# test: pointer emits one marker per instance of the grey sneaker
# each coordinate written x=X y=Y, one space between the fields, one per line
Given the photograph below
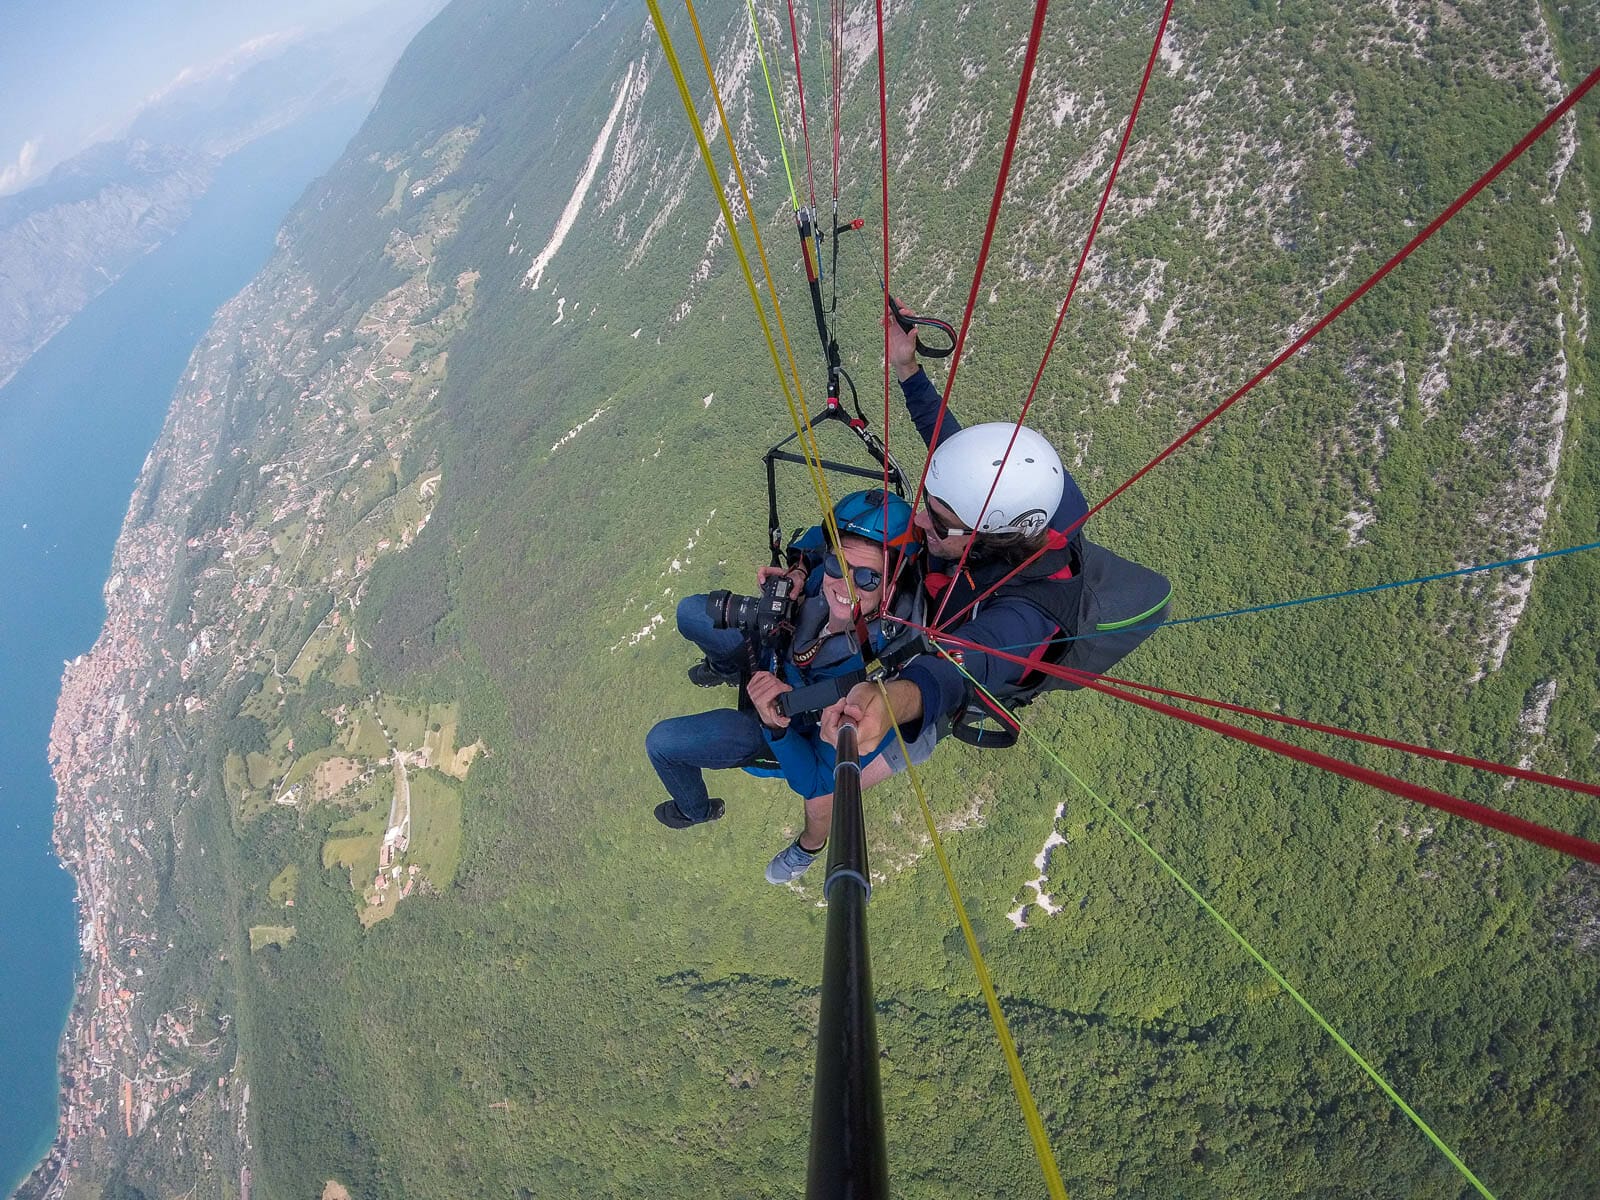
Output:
x=791 y=862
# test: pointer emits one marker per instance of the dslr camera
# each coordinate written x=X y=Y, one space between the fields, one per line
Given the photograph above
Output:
x=767 y=620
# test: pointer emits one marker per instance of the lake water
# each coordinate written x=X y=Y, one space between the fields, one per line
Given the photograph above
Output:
x=75 y=425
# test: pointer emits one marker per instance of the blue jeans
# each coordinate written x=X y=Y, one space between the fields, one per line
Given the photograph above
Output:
x=680 y=747
x=724 y=648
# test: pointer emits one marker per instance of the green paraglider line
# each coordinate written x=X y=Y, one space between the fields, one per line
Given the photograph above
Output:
x=1277 y=604
x=783 y=145
x=1589 y=82
x=1244 y=942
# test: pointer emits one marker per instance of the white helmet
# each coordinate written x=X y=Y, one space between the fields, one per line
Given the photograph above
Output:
x=964 y=466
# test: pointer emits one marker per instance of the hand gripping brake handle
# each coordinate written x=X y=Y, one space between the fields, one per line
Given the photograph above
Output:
x=910 y=323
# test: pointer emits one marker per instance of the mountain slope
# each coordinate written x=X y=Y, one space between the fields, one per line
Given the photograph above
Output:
x=454 y=459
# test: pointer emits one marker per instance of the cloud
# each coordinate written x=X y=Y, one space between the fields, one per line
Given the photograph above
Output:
x=231 y=63
x=15 y=175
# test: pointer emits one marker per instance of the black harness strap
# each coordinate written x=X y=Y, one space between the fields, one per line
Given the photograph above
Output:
x=810 y=248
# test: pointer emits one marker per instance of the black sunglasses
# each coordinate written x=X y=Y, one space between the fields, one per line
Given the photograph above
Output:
x=864 y=578
x=939 y=527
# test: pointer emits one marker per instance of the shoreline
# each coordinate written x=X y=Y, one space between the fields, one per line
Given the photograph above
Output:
x=108 y=1084
x=117 y=1062
x=43 y=1151
x=138 y=1044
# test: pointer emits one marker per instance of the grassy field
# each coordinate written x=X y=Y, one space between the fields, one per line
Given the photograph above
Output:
x=234 y=778
x=407 y=721
x=319 y=648
x=355 y=844
x=461 y=762
x=262 y=770
x=366 y=739
x=308 y=764
x=440 y=739
x=435 y=827
x=262 y=936
x=262 y=703
x=347 y=673
x=248 y=801
x=370 y=912
x=254 y=804
x=284 y=885
x=333 y=778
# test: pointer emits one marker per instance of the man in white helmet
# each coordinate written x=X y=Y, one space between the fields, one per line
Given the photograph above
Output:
x=1054 y=586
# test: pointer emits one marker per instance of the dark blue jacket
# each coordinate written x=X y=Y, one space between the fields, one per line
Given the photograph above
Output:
x=1003 y=622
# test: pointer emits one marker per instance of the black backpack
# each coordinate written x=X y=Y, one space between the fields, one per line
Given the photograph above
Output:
x=1119 y=605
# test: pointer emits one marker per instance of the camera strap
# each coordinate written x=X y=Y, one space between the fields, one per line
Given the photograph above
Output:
x=817 y=696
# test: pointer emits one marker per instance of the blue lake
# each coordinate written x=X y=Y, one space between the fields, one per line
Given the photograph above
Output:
x=75 y=425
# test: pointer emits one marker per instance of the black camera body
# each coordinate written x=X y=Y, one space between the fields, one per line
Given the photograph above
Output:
x=767 y=620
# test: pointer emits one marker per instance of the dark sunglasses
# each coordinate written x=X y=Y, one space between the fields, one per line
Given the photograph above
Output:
x=940 y=529
x=864 y=578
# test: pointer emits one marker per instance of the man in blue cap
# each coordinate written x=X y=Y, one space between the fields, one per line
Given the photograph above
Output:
x=874 y=528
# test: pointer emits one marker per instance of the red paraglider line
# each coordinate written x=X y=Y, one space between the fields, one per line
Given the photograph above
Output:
x=883 y=192
x=1088 y=244
x=805 y=127
x=1542 y=835
x=1433 y=226
x=1030 y=56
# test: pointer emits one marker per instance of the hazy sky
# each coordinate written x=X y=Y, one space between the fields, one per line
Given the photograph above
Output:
x=73 y=72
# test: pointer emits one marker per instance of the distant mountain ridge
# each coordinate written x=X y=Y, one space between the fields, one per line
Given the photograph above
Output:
x=66 y=241
x=68 y=238
x=126 y=162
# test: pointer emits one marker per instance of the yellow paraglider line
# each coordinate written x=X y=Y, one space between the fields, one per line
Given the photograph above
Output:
x=1008 y=1045
x=793 y=395
x=1244 y=943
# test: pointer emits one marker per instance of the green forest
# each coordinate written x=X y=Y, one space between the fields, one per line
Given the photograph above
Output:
x=578 y=1002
